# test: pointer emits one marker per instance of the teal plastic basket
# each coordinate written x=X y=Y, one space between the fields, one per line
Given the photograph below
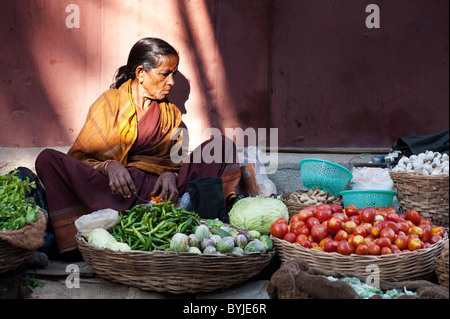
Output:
x=327 y=175
x=368 y=198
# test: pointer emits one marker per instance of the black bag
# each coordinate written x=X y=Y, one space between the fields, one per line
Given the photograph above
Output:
x=207 y=197
x=413 y=145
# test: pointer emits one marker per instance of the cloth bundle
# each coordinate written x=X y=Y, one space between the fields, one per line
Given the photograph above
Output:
x=296 y=280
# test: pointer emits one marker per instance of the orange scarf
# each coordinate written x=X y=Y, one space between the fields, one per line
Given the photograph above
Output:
x=111 y=129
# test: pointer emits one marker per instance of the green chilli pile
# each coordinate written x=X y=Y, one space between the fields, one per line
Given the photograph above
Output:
x=151 y=227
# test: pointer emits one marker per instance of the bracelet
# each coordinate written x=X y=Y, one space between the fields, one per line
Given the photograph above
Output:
x=104 y=166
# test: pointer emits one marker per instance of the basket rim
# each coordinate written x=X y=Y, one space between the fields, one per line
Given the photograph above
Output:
x=131 y=253
x=367 y=191
x=416 y=175
x=355 y=256
x=346 y=170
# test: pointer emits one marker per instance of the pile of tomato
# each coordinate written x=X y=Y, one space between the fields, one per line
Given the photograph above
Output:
x=365 y=231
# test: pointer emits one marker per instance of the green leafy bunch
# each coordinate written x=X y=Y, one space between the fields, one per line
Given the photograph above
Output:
x=15 y=207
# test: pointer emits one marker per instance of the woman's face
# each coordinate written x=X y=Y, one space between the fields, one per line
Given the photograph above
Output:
x=158 y=82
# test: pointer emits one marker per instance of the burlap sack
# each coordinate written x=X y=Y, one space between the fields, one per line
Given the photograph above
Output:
x=31 y=236
x=296 y=280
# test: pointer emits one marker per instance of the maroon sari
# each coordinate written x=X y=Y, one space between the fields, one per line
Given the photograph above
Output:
x=74 y=188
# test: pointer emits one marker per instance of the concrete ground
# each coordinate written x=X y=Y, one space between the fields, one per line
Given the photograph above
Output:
x=51 y=282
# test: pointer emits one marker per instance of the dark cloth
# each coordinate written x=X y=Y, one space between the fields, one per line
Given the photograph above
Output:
x=74 y=188
x=413 y=145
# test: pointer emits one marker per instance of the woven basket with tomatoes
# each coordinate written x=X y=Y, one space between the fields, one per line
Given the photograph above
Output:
x=402 y=246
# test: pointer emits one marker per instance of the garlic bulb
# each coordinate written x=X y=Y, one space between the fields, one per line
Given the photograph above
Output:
x=426 y=163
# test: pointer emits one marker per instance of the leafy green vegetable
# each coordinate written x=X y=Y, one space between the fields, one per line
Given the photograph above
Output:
x=257 y=213
x=366 y=291
x=15 y=207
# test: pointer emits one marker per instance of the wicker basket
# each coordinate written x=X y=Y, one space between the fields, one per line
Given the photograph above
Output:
x=412 y=265
x=427 y=194
x=442 y=266
x=12 y=257
x=177 y=273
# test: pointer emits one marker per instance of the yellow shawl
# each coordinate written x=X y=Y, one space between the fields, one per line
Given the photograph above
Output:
x=111 y=129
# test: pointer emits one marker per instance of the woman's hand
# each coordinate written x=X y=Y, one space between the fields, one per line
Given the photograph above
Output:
x=167 y=183
x=120 y=180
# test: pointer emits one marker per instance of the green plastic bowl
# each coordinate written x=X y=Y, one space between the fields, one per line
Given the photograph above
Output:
x=368 y=198
x=327 y=175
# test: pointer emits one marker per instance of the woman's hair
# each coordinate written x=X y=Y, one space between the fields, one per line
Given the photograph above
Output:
x=148 y=53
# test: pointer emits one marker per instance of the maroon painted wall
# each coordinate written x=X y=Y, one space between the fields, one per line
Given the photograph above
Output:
x=310 y=68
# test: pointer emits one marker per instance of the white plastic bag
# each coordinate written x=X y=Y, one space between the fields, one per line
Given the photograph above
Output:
x=371 y=178
x=104 y=218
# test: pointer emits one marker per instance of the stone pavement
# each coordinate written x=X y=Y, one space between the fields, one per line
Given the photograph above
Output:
x=57 y=283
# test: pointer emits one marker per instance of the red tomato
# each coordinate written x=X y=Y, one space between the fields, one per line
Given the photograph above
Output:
x=296 y=226
x=360 y=230
x=305 y=243
x=395 y=249
x=393 y=217
x=374 y=249
x=367 y=215
x=304 y=230
x=415 y=230
x=386 y=250
x=349 y=226
x=324 y=206
x=278 y=230
x=344 y=248
x=426 y=245
x=334 y=225
x=355 y=219
x=357 y=240
x=367 y=226
x=295 y=218
x=312 y=221
x=351 y=210
x=304 y=214
x=403 y=226
x=281 y=220
x=434 y=239
x=323 y=214
x=301 y=237
x=375 y=231
x=426 y=233
x=330 y=246
x=389 y=233
x=438 y=230
x=391 y=225
x=401 y=241
x=341 y=235
x=319 y=232
x=336 y=208
x=323 y=241
x=290 y=237
x=340 y=216
x=414 y=244
x=390 y=209
x=414 y=216
x=383 y=242
x=362 y=250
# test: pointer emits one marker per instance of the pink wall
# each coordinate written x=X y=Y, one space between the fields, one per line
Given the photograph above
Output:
x=310 y=68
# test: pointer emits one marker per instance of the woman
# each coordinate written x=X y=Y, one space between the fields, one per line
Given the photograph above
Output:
x=121 y=156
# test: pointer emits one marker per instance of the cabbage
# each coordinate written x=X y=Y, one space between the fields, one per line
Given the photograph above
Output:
x=100 y=237
x=257 y=213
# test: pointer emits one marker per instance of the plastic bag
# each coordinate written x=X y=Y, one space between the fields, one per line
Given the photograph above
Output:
x=104 y=218
x=371 y=178
x=252 y=155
